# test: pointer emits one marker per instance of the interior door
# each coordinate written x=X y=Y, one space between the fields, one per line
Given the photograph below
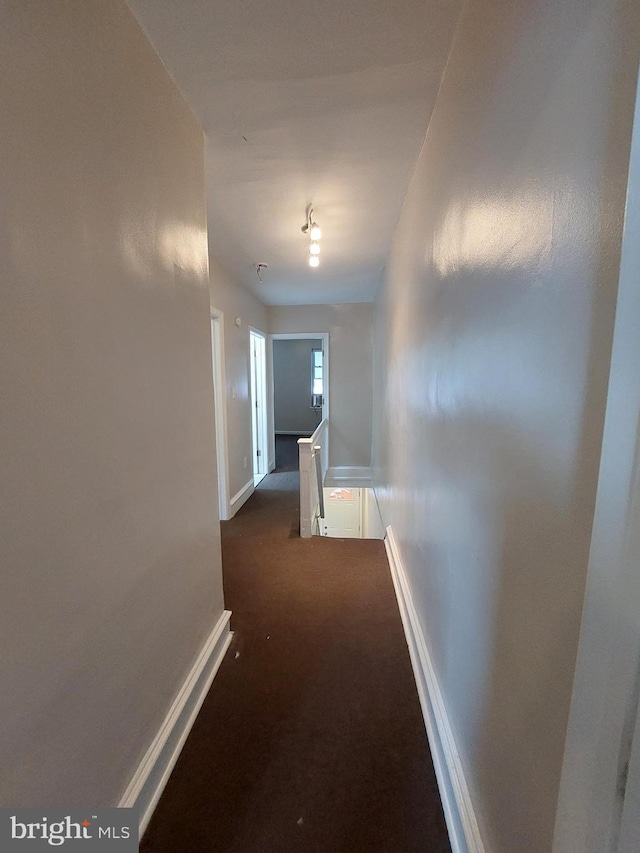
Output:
x=258 y=403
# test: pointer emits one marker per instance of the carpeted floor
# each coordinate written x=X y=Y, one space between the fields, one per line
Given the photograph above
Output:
x=287 y=454
x=311 y=739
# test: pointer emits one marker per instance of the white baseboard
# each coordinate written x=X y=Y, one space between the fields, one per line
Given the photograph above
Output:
x=154 y=770
x=301 y=432
x=464 y=832
x=241 y=497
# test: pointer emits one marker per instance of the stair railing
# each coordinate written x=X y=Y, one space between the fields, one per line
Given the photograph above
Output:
x=314 y=460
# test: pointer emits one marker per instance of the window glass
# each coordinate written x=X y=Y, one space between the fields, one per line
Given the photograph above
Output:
x=316 y=371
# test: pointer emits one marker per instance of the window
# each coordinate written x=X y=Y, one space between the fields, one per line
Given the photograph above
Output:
x=317 y=378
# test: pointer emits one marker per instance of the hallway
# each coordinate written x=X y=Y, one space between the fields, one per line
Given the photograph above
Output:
x=311 y=738
x=470 y=175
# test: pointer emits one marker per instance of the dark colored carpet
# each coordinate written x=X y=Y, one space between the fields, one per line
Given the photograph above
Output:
x=287 y=455
x=311 y=739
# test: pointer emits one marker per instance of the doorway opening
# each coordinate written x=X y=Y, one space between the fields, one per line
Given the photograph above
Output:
x=299 y=392
x=259 y=432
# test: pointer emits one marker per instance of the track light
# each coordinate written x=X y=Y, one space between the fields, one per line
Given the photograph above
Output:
x=312 y=230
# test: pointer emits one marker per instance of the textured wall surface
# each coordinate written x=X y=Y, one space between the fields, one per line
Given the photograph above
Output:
x=109 y=541
x=493 y=338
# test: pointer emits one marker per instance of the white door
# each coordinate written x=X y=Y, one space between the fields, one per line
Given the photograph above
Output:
x=342 y=513
x=258 y=403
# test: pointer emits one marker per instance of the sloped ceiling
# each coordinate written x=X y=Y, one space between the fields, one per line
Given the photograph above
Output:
x=324 y=103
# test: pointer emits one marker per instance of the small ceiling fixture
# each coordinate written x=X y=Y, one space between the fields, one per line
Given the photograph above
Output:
x=312 y=230
x=260 y=268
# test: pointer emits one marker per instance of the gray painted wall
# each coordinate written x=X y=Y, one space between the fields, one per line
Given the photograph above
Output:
x=493 y=339
x=350 y=371
x=109 y=547
x=292 y=386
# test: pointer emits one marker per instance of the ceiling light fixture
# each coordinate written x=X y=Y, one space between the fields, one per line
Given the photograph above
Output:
x=312 y=230
x=260 y=268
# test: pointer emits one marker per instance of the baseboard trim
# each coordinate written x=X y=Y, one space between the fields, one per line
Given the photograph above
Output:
x=464 y=832
x=303 y=433
x=241 y=497
x=154 y=770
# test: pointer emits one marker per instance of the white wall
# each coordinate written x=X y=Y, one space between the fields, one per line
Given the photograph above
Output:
x=236 y=301
x=350 y=371
x=292 y=410
x=493 y=338
x=109 y=540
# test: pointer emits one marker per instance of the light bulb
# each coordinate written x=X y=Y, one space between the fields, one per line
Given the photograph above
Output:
x=314 y=261
x=314 y=232
x=314 y=249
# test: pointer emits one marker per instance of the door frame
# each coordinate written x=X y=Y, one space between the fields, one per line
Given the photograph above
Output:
x=294 y=336
x=261 y=413
x=220 y=405
x=599 y=801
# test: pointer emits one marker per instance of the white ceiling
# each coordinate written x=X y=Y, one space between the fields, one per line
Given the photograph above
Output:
x=324 y=103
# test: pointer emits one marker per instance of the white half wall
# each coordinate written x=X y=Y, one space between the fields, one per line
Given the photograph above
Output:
x=109 y=539
x=493 y=342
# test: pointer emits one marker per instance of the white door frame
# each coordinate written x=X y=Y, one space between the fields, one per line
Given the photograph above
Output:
x=260 y=414
x=294 y=336
x=602 y=755
x=220 y=404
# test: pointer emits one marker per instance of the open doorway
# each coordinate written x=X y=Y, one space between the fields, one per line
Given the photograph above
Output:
x=299 y=392
x=259 y=432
